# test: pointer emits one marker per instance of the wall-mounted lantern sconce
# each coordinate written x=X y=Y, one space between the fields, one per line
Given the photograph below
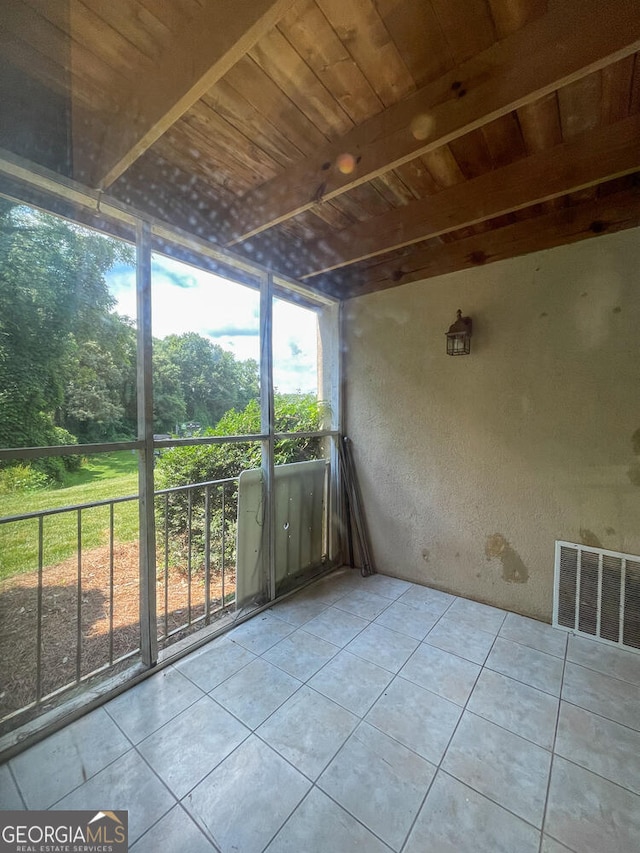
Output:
x=459 y=336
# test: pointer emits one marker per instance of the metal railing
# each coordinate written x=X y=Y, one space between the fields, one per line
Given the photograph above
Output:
x=76 y=617
x=196 y=545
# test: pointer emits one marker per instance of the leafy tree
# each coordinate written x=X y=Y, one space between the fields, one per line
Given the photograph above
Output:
x=123 y=347
x=169 y=407
x=91 y=400
x=54 y=300
x=211 y=379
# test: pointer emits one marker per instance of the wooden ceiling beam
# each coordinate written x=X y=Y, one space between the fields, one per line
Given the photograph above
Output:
x=590 y=159
x=575 y=38
x=600 y=216
x=201 y=52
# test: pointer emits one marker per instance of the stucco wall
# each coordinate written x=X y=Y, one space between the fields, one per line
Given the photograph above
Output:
x=472 y=467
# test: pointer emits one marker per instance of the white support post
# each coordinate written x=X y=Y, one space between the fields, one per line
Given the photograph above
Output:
x=340 y=426
x=148 y=632
x=267 y=427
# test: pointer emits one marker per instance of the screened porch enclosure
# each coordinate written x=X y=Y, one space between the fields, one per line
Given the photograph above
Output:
x=199 y=526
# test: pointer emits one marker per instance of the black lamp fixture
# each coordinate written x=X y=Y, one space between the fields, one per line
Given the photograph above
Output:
x=459 y=336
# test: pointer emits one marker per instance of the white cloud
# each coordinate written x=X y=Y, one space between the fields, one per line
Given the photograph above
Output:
x=185 y=299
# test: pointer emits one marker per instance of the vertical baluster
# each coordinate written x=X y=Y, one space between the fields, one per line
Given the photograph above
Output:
x=223 y=539
x=79 y=602
x=189 y=526
x=166 y=567
x=39 y=608
x=207 y=556
x=111 y=526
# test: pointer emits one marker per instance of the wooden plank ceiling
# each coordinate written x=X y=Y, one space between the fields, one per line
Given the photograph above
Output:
x=356 y=144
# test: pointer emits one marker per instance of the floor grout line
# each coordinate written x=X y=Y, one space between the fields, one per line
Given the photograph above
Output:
x=574 y=704
x=635 y=684
x=15 y=782
x=180 y=806
x=598 y=775
x=442 y=757
x=553 y=755
x=394 y=674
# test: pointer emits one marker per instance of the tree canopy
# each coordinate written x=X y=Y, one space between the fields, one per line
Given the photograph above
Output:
x=68 y=360
x=198 y=381
x=54 y=299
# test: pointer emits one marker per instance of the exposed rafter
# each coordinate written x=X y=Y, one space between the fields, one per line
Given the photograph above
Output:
x=226 y=120
x=202 y=51
x=601 y=216
x=591 y=158
x=574 y=39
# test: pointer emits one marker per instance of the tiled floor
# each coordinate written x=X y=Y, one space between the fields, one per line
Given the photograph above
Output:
x=363 y=714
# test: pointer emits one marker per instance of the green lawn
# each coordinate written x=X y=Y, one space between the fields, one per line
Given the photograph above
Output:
x=105 y=476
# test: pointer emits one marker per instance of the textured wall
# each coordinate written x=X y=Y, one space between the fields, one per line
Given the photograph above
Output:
x=472 y=467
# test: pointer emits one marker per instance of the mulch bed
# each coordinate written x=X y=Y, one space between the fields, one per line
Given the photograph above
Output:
x=61 y=627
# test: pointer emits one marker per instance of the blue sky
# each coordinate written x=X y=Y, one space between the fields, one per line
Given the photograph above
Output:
x=185 y=299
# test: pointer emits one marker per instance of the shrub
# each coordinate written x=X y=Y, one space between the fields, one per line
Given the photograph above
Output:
x=21 y=478
x=55 y=467
x=63 y=436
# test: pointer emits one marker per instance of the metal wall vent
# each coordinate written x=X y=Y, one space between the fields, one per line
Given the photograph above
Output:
x=597 y=594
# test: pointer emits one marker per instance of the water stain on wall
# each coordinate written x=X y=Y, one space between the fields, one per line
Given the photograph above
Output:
x=634 y=474
x=589 y=538
x=513 y=568
x=634 y=471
